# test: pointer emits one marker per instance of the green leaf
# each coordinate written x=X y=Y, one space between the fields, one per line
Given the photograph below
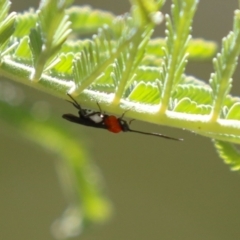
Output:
x=64 y=66
x=129 y=48
x=146 y=11
x=186 y=105
x=36 y=44
x=229 y=153
x=86 y=20
x=121 y=69
x=176 y=46
x=147 y=73
x=24 y=23
x=201 y=49
x=145 y=92
x=23 y=52
x=80 y=178
x=198 y=94
x=51 y=31
x=224 y=66
x=234 y=112
x=198 y=49
x=7 y=22
x=131 y=60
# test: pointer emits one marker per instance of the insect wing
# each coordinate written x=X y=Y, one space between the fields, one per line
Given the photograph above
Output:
x=83 y=121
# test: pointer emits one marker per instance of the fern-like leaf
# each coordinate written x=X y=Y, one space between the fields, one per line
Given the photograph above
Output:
x=176 y=45
x=7 y=22
x=24 y=23
x=224 y=65
x=50 y=33
x=197 y=49
x=90 y=20
x=121 y=67
x=229 y=153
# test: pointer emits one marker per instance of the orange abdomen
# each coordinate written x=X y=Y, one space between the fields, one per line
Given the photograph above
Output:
x=112 y=124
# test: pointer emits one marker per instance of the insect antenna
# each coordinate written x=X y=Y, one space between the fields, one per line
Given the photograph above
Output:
x=99 y=107
x=74 y=102
x=155 y=134
x=129 y=123
x=122 y=116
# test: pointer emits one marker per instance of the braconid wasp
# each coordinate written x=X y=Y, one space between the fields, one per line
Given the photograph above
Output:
x=109 y=122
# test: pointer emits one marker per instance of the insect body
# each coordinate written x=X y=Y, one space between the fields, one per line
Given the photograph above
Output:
x=109 y=122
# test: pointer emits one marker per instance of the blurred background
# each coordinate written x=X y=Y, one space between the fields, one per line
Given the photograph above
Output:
x=160 y=189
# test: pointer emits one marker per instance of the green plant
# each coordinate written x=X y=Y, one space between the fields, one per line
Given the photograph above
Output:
x=122 y=68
